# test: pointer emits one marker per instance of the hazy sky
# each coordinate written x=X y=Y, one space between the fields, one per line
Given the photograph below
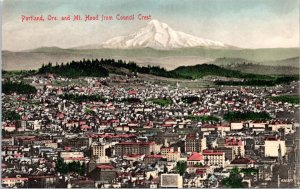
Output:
x=242 y=23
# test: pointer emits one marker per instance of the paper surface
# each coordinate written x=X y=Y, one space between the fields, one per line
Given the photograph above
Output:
x=150 y=94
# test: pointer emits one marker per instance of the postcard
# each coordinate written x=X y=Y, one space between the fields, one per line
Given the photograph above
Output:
x=150 y=94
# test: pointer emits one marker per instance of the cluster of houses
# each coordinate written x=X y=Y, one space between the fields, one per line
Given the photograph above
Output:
x=119 y=142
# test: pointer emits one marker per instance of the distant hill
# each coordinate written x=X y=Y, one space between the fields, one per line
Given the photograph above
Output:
x=199 y=71
x=265 y=69
x=202 y=70
x=288 y=66
x=294 y=62
x=101 y=68
x=257 y=55
x=104 y=67
x=170 y=59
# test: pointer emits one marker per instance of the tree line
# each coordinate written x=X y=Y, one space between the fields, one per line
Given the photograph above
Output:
x=17 y=87
x=293 y=99
x=102 y=68
x=75 y=69
x=82 y=98
x=239 y=116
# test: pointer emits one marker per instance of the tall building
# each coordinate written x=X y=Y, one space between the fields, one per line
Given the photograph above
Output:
x=165 y=150
x=194 y=143
x=134 y=148
x=229 y=153
x=237 y=145
x=98 y=150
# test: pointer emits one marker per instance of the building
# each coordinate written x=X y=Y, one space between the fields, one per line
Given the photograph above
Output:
x=277 y=125
x=274 y=147
x=134 y=148
x=69 y=157
x=134 y=157
x=12 y=182
x=236 y=144
x=171 y=181
x=195 y=159
x=241 y=163
x=173 y=156
x=71 y=154
x=194 y=143
x=98 y=150
x=36 y=125
x=103 y=173
x=165 y=150
x=236 y=125
x=229 y=153
x=150 y=159
x=77 y=142
x=214 y=158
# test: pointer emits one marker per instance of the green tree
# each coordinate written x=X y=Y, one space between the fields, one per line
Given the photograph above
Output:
x=181 y=167
x=11 y=115
x=72 y=167
x=234 y=180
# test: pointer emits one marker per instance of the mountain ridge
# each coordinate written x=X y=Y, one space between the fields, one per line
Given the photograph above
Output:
x=157 y=35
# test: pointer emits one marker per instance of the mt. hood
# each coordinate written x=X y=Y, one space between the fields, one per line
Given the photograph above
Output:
x=158 y=35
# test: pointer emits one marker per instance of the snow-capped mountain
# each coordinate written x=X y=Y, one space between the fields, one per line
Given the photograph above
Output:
x=158 y=35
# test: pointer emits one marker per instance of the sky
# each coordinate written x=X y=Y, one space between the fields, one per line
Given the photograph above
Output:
x=241 y=23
